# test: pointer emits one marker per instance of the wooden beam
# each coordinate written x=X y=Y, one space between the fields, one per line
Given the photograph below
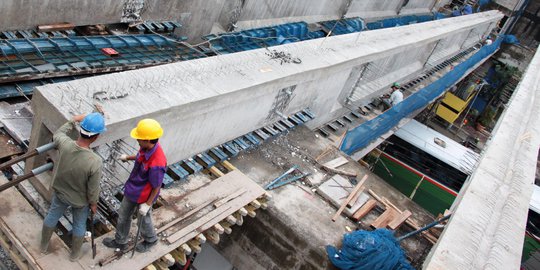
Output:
x=243 y=211
x=167 y=259
x=397 y=221
x=410 y=222
x=197 y=224
x=229 y=197
x=355 y=198
x=231 y=219
x=251 y=211
x=228 y=165
x=384 y=218
x=215 y=171
x=55 y=27
x=226 y=227
x=219 y=229
x=195 y=245
x=365 y=209
x=351 y=195
x=335 y=163
x=186 y=215
x=239 y=218
x=351 y=174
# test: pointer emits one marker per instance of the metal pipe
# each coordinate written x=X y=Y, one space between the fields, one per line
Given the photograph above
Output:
x=39 y=150
x=34 y=172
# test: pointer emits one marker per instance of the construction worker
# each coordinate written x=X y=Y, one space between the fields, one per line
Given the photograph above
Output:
x=142 y=187
x=76 y=179
x=395 y=97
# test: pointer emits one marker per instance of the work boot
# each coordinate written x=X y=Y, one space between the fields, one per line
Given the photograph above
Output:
x=145 y=246
x=76 y=244
x=111 y=243
x=46 y=233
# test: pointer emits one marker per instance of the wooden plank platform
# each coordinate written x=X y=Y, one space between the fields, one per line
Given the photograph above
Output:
x=21 y=231
x=222 y=190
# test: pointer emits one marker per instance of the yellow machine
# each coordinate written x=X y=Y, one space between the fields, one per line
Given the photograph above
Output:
x=453 y=104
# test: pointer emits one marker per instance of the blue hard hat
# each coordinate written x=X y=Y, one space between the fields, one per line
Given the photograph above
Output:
x=93 y=124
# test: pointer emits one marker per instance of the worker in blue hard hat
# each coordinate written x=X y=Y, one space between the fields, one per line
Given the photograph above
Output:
x=75 y=180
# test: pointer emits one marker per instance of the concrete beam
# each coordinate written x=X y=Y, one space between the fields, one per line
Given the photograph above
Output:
x=487 y=228
x=205 y=102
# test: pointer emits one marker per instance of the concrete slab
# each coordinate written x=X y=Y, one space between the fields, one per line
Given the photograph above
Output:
x=336 y=190
x=17 y=120
x=293 y=231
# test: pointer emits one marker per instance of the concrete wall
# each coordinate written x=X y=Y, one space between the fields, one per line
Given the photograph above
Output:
x=256 y=13
x=199 y=17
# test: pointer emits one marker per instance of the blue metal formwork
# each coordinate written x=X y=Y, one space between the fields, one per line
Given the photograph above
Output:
x=361 y=136
x=261 y=37
x=37 y=58
x=344 y=26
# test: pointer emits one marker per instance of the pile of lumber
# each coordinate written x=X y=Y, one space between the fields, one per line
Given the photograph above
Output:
x=188 y=221
x=392 y=217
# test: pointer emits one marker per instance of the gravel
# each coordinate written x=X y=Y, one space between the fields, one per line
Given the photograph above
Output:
x=5 y=261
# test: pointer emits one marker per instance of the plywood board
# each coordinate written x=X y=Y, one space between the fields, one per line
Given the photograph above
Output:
x=365 y=209
x=335 y=163
x=385 y=218
x=175 y=207
x=337 y=189
x=394 y=224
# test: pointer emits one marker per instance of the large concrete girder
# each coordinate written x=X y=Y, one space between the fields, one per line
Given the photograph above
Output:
x=487 y=228
x=200 y=17
x=203 y=103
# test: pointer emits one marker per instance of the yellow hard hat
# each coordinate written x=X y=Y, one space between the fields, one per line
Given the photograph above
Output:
x=147 y=129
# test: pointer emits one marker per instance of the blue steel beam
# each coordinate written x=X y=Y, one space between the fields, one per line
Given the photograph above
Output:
x=80 y=43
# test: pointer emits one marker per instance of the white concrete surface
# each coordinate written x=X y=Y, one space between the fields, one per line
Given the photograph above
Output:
x=487 y=228
x=205 y=102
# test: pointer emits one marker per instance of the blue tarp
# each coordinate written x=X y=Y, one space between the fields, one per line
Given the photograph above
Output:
x=368 y=250
x=361 y=136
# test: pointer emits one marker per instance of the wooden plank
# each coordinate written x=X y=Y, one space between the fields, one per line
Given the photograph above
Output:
x=21 y=224
x=228 y=165
x=215 y=171
x=230 y=197
x=364 y=210
x=335 y=163
x=176 y=200
x=384 y=218
x=410 y=222
x=55 y=27
x=351 y=195
x=188 y=214
x=190 y=228
x=397 y=221
x=355 y=198
x=346 y=173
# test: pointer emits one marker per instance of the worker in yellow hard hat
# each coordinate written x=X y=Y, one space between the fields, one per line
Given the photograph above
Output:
x=142 y=187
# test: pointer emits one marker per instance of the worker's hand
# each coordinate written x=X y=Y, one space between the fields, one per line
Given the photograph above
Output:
x=143 y=209
x=93 y=208
x=124 y=158
x=79 y=118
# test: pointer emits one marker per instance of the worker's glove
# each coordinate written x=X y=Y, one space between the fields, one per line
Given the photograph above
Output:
x=123 y=158
x=143 y=209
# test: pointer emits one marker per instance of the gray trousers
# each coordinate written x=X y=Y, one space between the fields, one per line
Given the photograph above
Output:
x=127 y=208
